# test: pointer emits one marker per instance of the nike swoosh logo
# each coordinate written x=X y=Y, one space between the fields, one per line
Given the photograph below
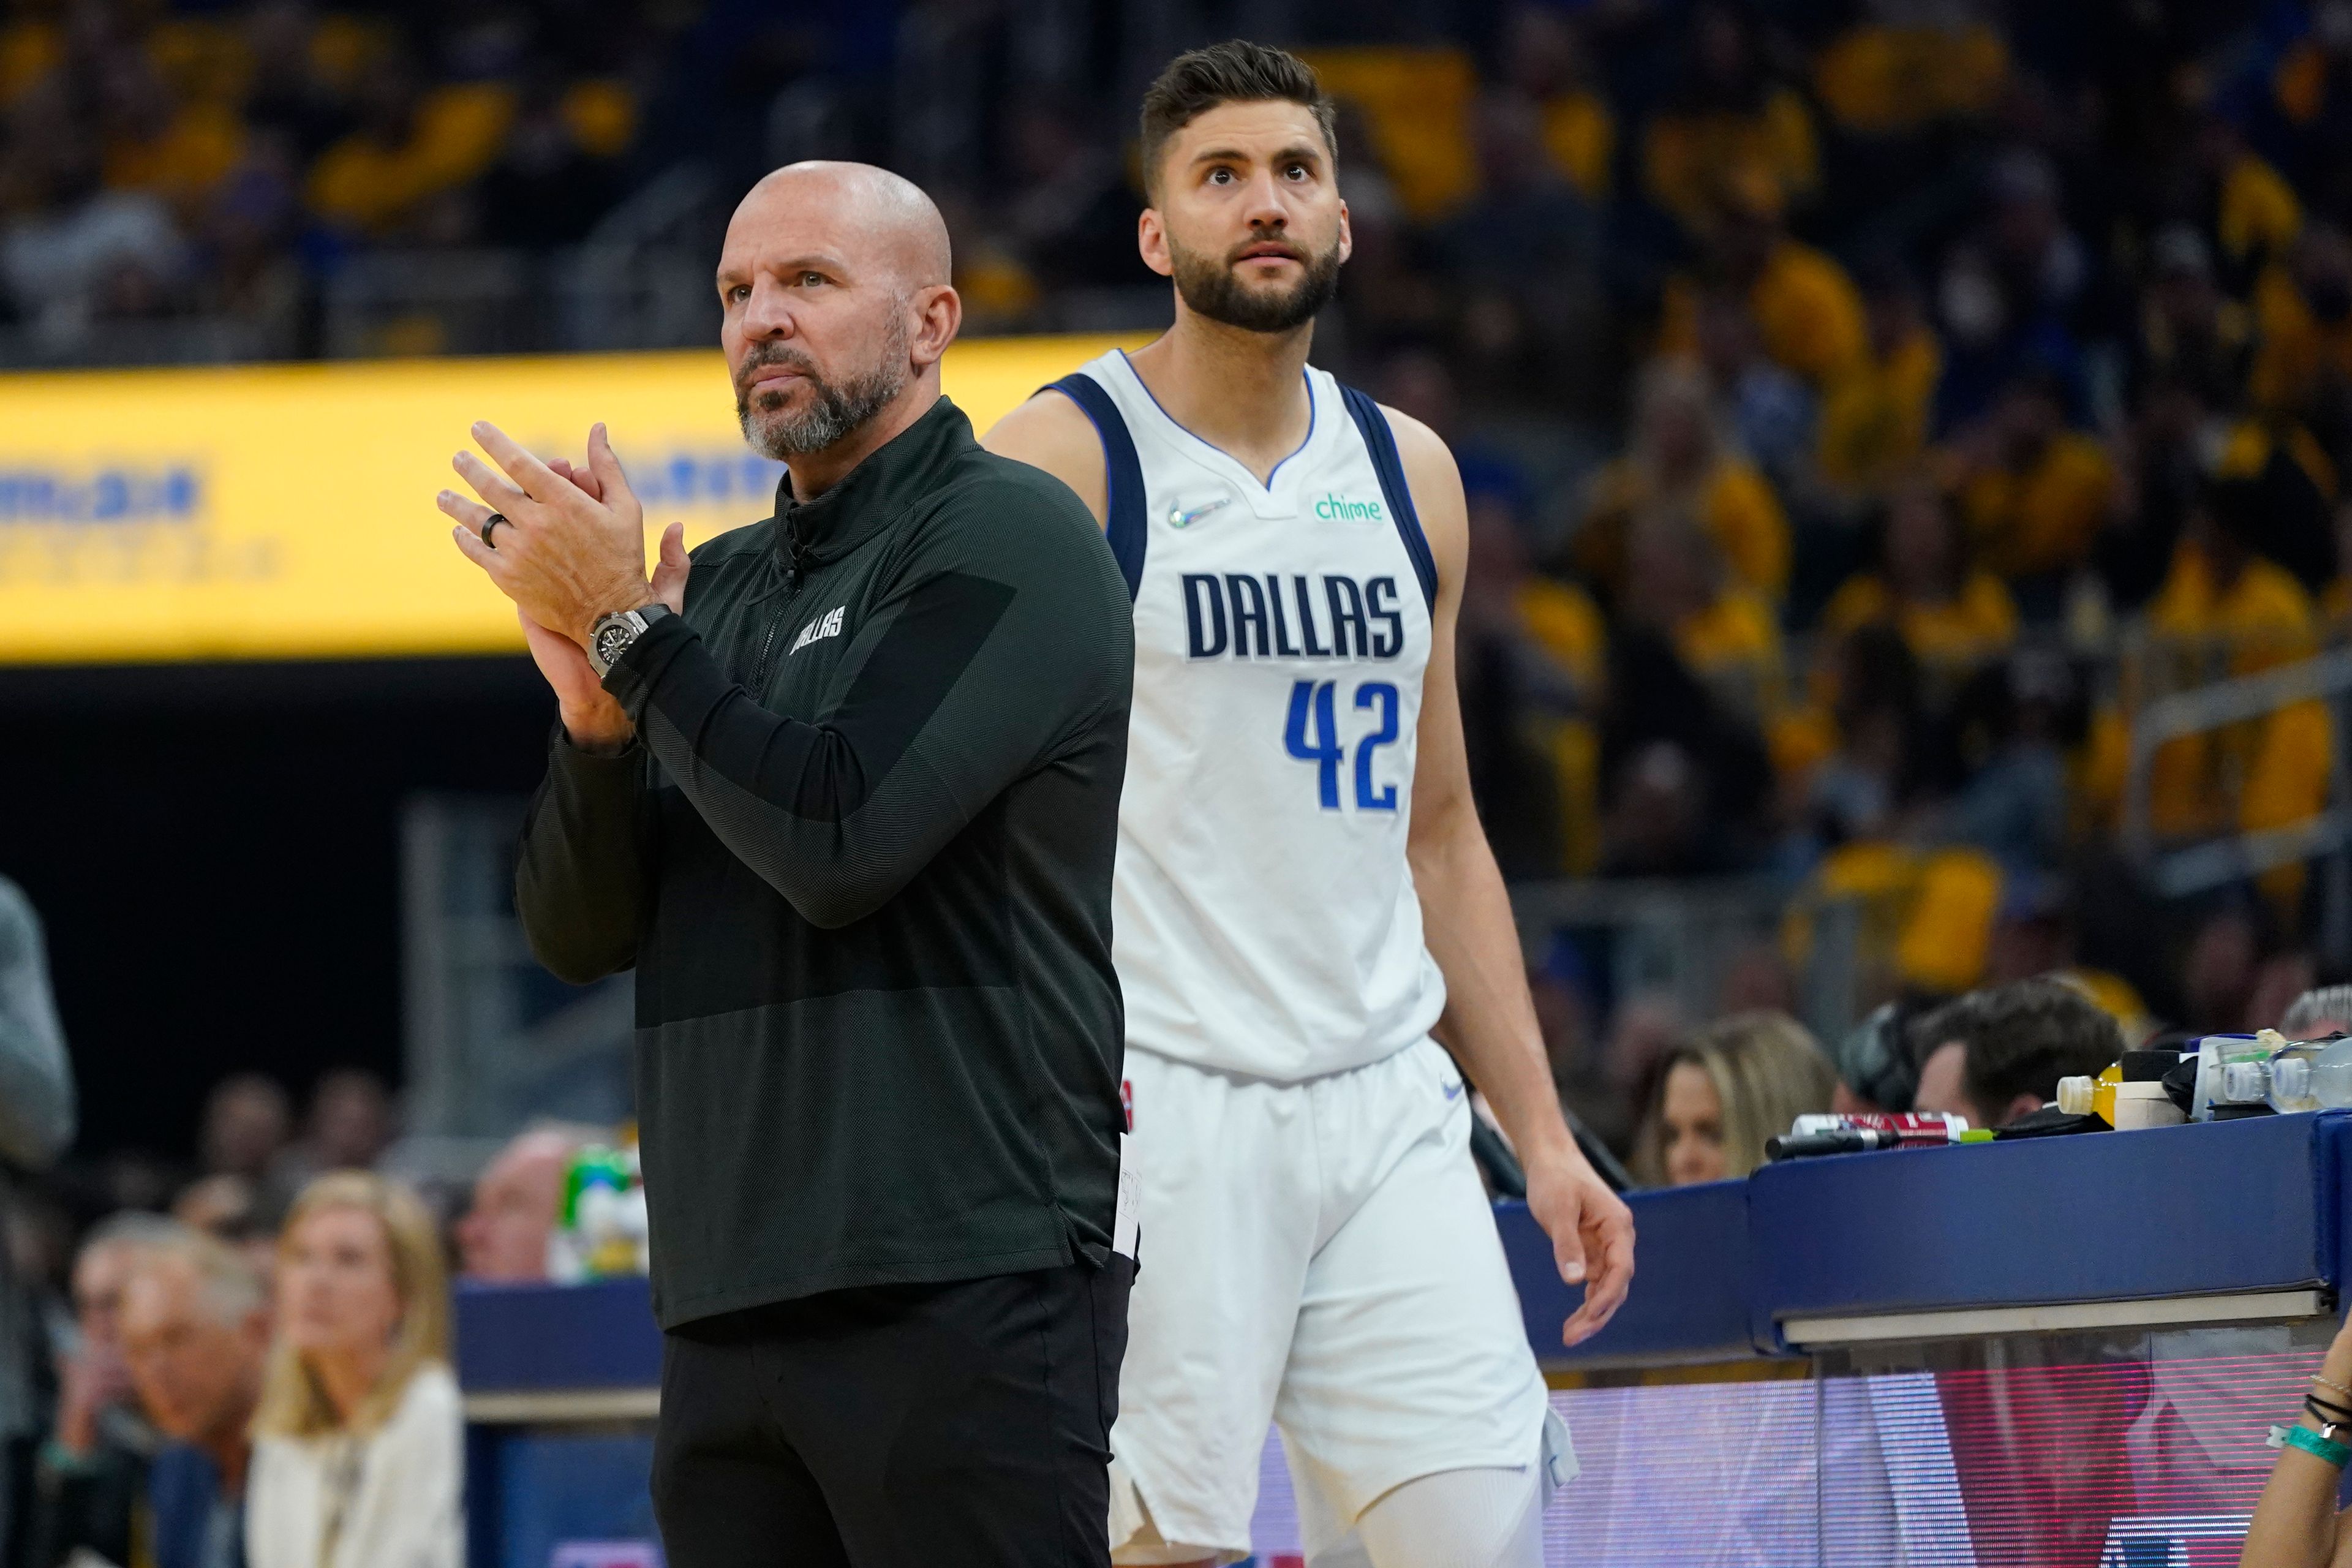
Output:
x=1178 y=518
x=1454 y=1089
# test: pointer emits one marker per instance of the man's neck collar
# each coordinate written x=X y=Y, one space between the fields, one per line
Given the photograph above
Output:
x=1226 y=384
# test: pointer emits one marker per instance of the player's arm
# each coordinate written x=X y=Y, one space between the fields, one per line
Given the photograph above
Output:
x=1490 y=1020
x=1052 y=433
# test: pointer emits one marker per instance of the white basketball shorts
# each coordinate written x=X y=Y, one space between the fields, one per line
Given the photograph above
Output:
x=1320 y=1255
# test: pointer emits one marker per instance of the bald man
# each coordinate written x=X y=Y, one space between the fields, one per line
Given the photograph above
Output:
x=843 y=790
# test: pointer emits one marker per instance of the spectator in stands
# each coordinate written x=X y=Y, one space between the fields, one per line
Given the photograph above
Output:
x=1953 y=617
x=2238 y=198
x=2188 y=331
x=2303 y=320
x=93 y=1469
x=1728 y=121
x=2033 y=493
x=1868 y=786
x=1724 y=1091
x=36 y=1122
x=2224 y=602
x=2227 y=610
x=1545 y=60
x=246 y=1123
x=558 y=173
x=1875 y=1068
x=231 y=1209
x=503 y=1236
x=1807 y=310
x=1527 y=227
x=358 y=1453
x=1071 y=217
x=2043 y=268
x=1764 y=410
x=1644 y=1028
x=2217 y=974
x=1997 y=1054
x=1679 y=460
x=1725 y=633
x=1530 y=652
x=2279 y=980
x=195 y=1333
x=75 y=251
x=347 y=1126
x=2007 y=732
x=1874 y=417
x=1683 y=780
x=2319 y=1012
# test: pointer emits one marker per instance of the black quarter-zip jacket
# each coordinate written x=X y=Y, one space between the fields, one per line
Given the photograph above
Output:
x=860 y=858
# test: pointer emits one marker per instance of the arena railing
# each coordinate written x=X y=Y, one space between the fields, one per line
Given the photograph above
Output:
x=2180 y=867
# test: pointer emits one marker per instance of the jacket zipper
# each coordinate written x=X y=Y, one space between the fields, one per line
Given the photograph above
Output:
x=796 y=577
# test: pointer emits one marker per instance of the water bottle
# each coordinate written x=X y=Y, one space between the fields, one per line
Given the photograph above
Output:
x=2234 y=1077
x=2307 y=1075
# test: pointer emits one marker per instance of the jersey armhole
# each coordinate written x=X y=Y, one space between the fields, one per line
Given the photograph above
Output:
x=1379 y=441
x=1125 y=526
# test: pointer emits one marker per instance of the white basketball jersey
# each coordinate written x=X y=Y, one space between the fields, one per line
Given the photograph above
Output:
x=1264 y=920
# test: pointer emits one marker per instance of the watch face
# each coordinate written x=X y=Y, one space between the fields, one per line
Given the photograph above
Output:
x=613 y=641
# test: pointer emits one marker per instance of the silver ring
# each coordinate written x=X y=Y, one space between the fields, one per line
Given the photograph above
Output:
x=490 y=522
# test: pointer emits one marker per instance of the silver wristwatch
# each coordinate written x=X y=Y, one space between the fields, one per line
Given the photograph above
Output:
x=610 y=637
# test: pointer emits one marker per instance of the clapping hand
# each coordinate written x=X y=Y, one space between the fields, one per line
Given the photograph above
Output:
x=565 y=554
x=573 y=540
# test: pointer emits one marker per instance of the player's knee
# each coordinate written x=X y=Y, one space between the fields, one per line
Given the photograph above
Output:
x=1458 y=1519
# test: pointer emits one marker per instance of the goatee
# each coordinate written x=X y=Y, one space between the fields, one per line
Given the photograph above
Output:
x=1212 y=288
x=832 y=412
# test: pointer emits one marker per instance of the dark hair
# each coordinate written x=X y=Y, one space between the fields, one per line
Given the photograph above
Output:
x=1235 y=71
x=2022 y=1039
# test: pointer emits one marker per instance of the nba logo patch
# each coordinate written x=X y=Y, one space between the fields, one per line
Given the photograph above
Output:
x=1127 y=1102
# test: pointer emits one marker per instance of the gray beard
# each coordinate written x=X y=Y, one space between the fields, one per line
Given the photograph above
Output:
x=833 y=413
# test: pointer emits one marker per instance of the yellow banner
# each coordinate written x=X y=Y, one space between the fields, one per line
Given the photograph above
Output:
x=286 y=512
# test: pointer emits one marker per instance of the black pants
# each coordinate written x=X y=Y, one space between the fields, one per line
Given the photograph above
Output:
x=896 y=1427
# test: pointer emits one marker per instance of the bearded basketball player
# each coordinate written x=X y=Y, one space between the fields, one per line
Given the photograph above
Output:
x=1308 y=925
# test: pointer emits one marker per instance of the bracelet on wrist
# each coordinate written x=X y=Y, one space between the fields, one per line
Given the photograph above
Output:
x=2319 y=1447
x=2325 y=1382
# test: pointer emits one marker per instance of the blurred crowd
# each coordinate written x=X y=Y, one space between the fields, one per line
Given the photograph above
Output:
x=245 y=1364
x=162 y=161
x=1993 y=1057
x=1867 y=408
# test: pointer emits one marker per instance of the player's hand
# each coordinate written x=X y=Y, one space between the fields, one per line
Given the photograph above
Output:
x=1592 y=1232
x=564 y=555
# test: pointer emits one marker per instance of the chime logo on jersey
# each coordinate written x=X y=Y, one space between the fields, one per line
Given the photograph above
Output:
x=1333 y=508
x=1238 y=614
x=827 y=625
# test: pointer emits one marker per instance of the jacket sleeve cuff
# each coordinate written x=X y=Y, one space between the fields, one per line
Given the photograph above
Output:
x=639 y=670
x=565 y=752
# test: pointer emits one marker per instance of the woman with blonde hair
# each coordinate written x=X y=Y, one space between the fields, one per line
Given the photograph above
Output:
x=1730 y=1086
x=358 y=1454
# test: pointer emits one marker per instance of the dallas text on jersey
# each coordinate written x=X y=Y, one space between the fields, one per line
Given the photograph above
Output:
x=1245 y=616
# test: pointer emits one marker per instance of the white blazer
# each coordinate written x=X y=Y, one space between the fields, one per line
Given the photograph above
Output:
x=400 y=1490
